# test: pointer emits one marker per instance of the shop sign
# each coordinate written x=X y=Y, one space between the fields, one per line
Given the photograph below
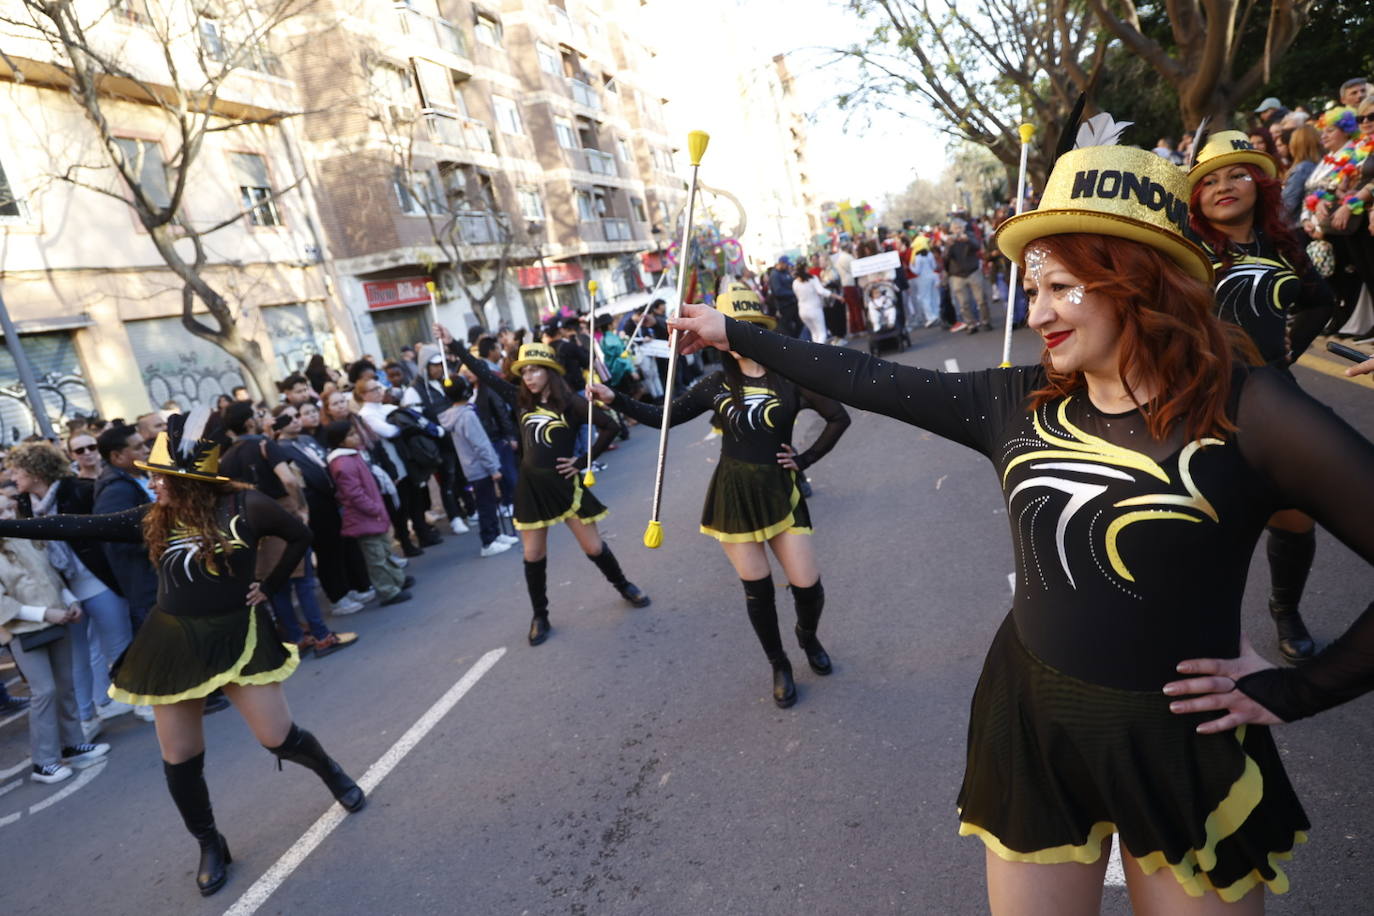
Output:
x=387 y=294
x=558 y=274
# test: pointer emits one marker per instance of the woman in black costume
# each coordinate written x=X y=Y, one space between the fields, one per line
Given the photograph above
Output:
x=210 y=629
x=1139 y=465
x=1267 y=287
x=753 y=502
x=549 y=490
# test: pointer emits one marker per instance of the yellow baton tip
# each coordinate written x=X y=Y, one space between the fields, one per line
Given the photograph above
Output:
x=1027 y=131
x=653 y=536
x=697 y=141
x=429 y=285
x=1004 y=365
x=589 y=479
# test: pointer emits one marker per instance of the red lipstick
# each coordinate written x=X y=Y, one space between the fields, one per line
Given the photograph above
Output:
x=1055 y=338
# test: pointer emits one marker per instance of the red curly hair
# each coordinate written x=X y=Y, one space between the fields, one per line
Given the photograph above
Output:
x=1267 y=219
x=1171 y=340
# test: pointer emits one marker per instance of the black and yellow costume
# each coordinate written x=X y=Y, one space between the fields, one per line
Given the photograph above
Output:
x=543 y=496
x=1131 y=555
x=1281 y=309
x=751 y=497
x=200 y=635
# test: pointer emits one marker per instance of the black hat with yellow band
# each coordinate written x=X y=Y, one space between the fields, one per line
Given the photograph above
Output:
x=1100 y=188
x=537 y=354
x=741 y=302
x=186 y=448
x=1225 y=148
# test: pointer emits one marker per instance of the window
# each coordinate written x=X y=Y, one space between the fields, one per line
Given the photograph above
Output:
x=436 y=84
x=255 y=191
x=584 y=206
x=394 y=89
x=566 y=138
x=507 y=115
x=599 y=203
x=637 y=208
x=144 y=158
x=488 y=30
x=549 y=61
x=11 y=207
x=211 y=38
x=417 y=191
x=531 y=204
x=623 y=147
x=129 y=10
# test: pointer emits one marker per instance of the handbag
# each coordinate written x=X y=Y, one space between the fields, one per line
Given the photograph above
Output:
x=37 y=638
x=1322 y=256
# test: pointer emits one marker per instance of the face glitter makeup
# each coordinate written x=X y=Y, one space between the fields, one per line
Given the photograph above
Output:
x=1035 y=262
x=1075 y=295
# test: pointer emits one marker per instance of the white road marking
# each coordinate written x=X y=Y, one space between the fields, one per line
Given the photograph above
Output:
x=1116 y=874
x=22 y=765
x=265 y=886
x=5 y=790
x=940 y=481
x=75 y=785
x=951 y=365
x=14 y=718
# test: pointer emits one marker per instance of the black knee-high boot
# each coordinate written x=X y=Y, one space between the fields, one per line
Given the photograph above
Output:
x=810 y=601
x=536 y=583
x=186 y=783
x=610 y=568
x=303 y=748
x=761 y=603
x=1290 y=560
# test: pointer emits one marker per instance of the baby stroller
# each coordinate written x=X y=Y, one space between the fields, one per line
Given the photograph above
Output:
x=886 y=317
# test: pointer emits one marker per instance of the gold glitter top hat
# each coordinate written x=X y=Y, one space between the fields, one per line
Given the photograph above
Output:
x=185 y=449
x=537 y=354
x=1104 y=189
x=741 y=302
x=1229 y=147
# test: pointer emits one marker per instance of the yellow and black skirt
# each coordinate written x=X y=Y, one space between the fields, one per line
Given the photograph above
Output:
x=1056 y=765
x=544 y=497
x=175 y=658
x=753 y=502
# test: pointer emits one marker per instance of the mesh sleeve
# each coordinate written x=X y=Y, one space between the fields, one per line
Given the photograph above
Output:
x=1315 y=462
x=692 y=403
x=836 y=422
x=118 y=527
x=267 y=518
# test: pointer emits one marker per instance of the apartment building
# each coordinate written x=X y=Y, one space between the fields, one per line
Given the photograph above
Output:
x=97 y=310
x=506 y=151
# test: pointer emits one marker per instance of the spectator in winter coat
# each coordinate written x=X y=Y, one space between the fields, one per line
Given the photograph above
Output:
x=427 y=395
x=364 y=514
x=480 y=463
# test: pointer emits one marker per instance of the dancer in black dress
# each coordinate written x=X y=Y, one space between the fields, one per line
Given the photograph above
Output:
x=550 y=489
x=1139 y=465
x=1267 y=287
x=210 y=629
x=753 y=501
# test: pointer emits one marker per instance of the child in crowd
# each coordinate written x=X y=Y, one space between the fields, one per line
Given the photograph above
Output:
x=364 y=514
x=481 y=466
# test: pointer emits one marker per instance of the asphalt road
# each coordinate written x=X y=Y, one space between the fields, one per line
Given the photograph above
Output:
x=635 y=763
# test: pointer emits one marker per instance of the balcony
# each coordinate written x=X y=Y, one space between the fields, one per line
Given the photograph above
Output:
x=478 y=227
x=600 y=163
x=617 y=230
x=464 y=133
x=431 y=30
x=584 y=94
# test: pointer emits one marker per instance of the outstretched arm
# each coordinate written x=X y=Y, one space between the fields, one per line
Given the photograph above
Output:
x=478 y=367
x=693 y=402
x=120 y=527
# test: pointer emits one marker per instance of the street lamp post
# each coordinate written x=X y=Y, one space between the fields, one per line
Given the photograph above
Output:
x=534 y=228
x=26 y=376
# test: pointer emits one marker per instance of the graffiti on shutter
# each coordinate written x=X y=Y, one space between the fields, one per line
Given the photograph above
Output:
x=60 y=381
x=178 y=366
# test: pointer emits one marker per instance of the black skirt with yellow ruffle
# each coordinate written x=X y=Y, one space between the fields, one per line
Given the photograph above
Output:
x=1056 y=765
x=183 y=658
x=753 y=502
x=544 y=497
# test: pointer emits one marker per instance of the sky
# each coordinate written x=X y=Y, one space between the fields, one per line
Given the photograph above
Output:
x=861 y=157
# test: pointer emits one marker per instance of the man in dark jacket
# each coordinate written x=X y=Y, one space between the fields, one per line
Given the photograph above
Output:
x=122 y=486
x=427 y=395
x=783 y=298
x=963 y=263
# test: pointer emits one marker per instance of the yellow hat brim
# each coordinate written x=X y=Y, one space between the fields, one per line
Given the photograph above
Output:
x=1245 y=156
x=178 y=472
x=1020 y=230
x=537 y=361
x=768 y=321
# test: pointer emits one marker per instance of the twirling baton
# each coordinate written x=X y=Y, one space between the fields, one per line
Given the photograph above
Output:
x=434 y=310
x=696 y=148
x=1026 y=131
x=589 y=479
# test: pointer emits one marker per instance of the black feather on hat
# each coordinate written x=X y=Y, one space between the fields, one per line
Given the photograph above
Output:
x=190 y=447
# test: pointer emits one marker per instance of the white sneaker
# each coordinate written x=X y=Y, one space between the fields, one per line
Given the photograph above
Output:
x=398 y=561
x=346 y=605
x=457 y=526
x=495 y=547
x=53 y=772
x=366 y=597
x=508 y=539
x=92 y=727
x=84 y=755
x=472 y=519
x=144 y=712
x=112 y=709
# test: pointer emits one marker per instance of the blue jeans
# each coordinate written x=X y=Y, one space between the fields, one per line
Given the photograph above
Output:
x=95 y=641
x=510 y=471
x=488 y=525
x=304 y=587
